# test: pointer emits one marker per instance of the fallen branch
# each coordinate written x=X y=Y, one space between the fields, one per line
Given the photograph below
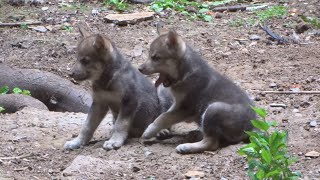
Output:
x=273 y=35
x=17 y=157
x=15 y=102
x=57 y=93
x=17 y=24
x=230 y=8
x=289 y=92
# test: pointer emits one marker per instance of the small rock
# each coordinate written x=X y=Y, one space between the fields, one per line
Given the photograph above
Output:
x=147 y=153
x=245 y=50
x=254 y=37
x=313 y=123
x=313 y=154
x=218 y=15
x=272 y=85
x=137 y=51
x=131 y=18
x=194 y=174
x=41 y=29
x=278 y=105
x=223 y=178
x=295 y=89
x=300 y=153
x=295 y=111
x=301 y=28
x=44 y=8
x=261 y=51
x=95 y=12
x=135 y=169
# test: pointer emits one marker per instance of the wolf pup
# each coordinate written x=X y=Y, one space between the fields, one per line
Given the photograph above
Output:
x=201 y=94
x=117 y=86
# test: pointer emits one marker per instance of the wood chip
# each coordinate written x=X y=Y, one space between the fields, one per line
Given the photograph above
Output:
x=132 y=18
x=313 y=154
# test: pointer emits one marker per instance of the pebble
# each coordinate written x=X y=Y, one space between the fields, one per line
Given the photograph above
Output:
x=272 y=85
x=135 y=169
x=194 y=174
x=44 y=8
x=313 y=154
x=41 y=29
x=278 y=105
x=95 y=12
x=295 y=110
x=254 y=37
x=313 y=123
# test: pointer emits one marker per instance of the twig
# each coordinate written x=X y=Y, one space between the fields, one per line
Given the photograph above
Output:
x=19 y=24
x=16 y=157
x=289 y=92
x=229 y=8
x=273 y=35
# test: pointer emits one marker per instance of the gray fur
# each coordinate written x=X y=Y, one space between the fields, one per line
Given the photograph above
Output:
x=117 y=86
x=201 y=94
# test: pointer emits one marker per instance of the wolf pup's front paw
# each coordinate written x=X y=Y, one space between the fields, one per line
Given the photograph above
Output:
x=73 y=144
x=183 y=149
x=150 y=132
x=112 y=144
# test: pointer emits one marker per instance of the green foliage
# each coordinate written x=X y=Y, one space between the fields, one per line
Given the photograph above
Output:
x=1 y=109
x=199 y=10
x=119 y=5
x=267 y=153
x=315 y=22
x=272 y=12
x=24 y=26
x=17 y=90
x=67 y=28
x=4 y=90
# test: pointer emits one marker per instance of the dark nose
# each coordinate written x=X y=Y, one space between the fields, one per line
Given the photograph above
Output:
x=71 y=74
x=141 y=68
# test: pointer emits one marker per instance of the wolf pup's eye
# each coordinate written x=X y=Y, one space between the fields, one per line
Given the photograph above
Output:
x=84 y=61
x=155 y=57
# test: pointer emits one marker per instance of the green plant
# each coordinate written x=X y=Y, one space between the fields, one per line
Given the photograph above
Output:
x=4 y=90
x=200 y=10
x=17 y=90
x=1 y=109
x=24 y=26
x=272 y=12
x=267 y=152
x=119 y=5
x=313 y=21
x=67 y=28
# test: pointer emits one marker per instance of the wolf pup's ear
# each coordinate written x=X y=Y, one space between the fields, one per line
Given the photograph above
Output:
x=101 y=43
x=174 y=41
x=160 y=29
x=84 y=33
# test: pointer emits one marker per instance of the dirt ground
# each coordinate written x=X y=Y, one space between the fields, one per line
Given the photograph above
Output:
x=261 y=65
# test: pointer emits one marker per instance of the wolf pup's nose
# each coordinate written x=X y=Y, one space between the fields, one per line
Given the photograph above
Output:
x=141 y=68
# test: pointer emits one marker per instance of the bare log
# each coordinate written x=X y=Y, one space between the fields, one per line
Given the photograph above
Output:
x=17 y=24
x=15 y=102
x=289 y=92
x=230 y=8
x=57 y=93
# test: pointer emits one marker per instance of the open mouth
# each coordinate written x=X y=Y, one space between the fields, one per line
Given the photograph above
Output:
x=165 y=80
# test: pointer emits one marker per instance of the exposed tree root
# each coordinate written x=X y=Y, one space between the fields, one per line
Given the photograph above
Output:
x=15 y=102
x=56 y=93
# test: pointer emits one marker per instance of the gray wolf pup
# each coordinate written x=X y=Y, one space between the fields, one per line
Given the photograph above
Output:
x=117 y=86
x=222 y=110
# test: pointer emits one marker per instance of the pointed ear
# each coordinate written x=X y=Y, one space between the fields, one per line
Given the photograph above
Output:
x=160 y=29
x=84 y=33
x=101 y=43
x=172 y=39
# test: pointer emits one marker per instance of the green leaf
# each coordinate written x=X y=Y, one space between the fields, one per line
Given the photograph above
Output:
x=262 y=125
x=26 y=92
x=1 y=109
x=4 y=90
x=260 y=174
x=207 y=18
x=266 y=155
x=203 y=10
x=272 y=123
x=17 y=90
x=261 y=112
x=250 y=151
x=272 y=173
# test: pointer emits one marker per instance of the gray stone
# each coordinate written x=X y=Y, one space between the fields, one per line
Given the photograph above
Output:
x=131 y=18
x=254 y=37
x=41 y=29
x=313 y=123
